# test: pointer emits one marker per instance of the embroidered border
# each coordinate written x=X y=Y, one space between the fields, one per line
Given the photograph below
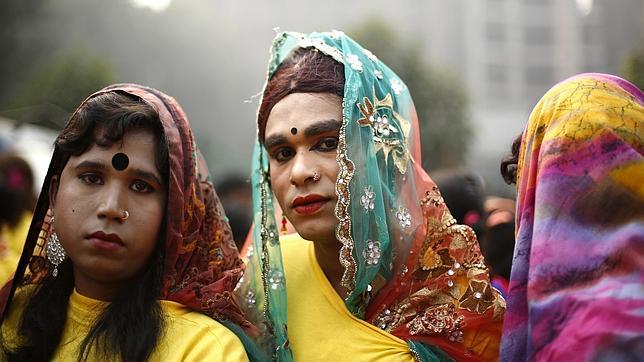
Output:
x=343 y=231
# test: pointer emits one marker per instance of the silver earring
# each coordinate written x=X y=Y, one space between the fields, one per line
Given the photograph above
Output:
x=316 y=176
x=55 y=252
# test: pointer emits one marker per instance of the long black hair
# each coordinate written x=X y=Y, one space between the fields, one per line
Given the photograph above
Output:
x=131 y=326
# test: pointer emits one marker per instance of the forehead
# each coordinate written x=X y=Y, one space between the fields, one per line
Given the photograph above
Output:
x=138 y=145
x=300 y=110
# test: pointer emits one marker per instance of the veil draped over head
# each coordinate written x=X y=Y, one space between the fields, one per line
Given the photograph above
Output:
x=576 y=285
x=409 y=268
x=201 y=264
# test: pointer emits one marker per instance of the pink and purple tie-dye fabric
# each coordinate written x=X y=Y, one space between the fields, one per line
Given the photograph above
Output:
x=577 y=285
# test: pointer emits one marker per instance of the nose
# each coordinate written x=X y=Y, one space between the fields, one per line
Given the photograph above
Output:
x=303 y=168
x=112 y=200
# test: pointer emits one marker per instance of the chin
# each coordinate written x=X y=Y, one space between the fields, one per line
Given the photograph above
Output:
x=315 y=231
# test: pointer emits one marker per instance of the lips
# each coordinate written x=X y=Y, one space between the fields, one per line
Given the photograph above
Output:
x=309 y=204
x=105 y=241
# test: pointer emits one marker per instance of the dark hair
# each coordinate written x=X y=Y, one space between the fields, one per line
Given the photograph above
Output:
x=132 y=324
x=510 y=163
x=498 y=248
x=306 y=70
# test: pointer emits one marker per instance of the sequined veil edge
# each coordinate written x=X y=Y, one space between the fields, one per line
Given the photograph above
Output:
x=408 y=267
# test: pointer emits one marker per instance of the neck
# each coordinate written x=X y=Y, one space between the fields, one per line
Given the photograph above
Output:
x=95 y=289
x=327 y=254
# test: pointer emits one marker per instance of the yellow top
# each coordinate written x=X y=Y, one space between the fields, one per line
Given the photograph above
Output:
x=189 y=335
x=11 y=248
x=320 y=327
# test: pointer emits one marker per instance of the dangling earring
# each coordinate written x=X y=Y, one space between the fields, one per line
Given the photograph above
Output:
x=283 y=230
x=55 y=252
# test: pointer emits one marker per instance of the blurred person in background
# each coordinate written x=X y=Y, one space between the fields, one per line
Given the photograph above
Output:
x=129 y=255
x=237 y=199
x=576 y=287
x=8 y=212
x=17 y=182
x=464 y=194
x=380 y=269
x=497 y=243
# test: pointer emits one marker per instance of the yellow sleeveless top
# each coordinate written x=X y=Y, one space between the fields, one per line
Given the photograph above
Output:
x=320 y=327
x=189 y=335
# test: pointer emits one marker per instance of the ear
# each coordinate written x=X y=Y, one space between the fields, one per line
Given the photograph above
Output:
x=53 y=191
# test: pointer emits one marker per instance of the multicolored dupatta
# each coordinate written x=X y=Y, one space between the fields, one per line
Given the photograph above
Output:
x=577 y=285
x=409 y=268
x=202 y=265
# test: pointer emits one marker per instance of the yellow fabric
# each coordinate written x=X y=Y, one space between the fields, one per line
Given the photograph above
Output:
x=189 y=336
x=320 y=326
x=13 y=240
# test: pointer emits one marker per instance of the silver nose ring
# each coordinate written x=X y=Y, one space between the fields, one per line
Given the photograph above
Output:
x=125 y=214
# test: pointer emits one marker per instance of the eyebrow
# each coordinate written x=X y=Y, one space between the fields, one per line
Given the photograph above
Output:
x=137 y=172
x=91 y=164
x=274 y=140
x=322 y=127
x=315 y=129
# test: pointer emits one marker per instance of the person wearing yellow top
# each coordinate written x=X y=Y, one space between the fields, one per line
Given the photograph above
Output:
x=188 y=336
x=129 y=255
x=388 y=274
x=12 y=239
x=18 y=200
x=321 y=327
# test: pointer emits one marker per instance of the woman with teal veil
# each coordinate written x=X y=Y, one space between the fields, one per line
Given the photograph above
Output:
x=387 y=273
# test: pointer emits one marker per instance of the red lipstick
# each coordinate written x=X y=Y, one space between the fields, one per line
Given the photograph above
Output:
x=309 y=204
x=105 y=241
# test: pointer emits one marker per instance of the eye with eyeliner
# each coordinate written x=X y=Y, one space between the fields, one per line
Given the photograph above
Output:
x=282 y=154
x=96 y=179
x=142 y=187
x=90 y=178
x=326 y=144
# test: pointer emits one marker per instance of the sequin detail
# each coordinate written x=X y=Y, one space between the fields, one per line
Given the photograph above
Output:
x=396 y=86
x=370 y=55
x=404 y=217
x=368 y=199
x=354 y=62
x=250 y=299
x=389 y=134
x=440 y=319
x=372 y=253
x=276 y=279
x=343 y=232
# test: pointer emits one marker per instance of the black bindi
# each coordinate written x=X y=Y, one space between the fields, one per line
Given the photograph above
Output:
x=293 y=131
x=120 y=161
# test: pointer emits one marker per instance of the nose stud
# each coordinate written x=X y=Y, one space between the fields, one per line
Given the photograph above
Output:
x=125 y=215
x=316 y=176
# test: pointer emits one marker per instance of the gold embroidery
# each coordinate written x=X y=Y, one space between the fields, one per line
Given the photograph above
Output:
x=343 y=232
x=439 y=319
x=389 y=137
x=478 y=298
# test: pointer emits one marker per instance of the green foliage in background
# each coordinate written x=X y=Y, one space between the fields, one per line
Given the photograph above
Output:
x=439 y=96
x=56 y=88
x=633 y=68
x=43 y=81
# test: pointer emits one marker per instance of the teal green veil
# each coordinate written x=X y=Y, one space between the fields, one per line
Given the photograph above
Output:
x=395 y=230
